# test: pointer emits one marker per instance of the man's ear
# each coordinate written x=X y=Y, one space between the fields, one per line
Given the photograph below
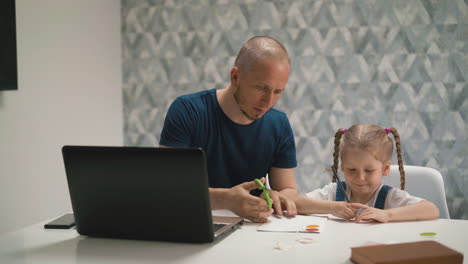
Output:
x=234 y=76
x=386 y=168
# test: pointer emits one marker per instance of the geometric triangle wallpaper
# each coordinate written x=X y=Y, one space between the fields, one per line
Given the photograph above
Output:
x=400 y=64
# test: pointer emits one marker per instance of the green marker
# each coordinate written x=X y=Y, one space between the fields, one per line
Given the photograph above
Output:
x=265 y=191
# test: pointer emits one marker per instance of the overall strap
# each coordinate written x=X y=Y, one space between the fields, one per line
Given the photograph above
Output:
x=340 y=196
x=380 y=201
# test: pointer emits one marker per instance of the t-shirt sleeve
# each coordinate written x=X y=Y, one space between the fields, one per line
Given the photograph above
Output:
x=176 y=131
x=398 y=198
x=286 y=155
x=327 y=193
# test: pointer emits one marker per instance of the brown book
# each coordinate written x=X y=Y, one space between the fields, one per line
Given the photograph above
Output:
x=424 y=252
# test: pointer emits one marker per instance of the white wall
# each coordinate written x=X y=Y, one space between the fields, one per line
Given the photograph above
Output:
x=69 y=60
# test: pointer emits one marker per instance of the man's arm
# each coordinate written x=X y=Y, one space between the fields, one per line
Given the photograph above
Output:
x=284 y=182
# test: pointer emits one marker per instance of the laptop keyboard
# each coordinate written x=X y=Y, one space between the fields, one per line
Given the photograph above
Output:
x=216 y=227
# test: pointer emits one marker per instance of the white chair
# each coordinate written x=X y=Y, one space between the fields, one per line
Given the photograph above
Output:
x=422 y=182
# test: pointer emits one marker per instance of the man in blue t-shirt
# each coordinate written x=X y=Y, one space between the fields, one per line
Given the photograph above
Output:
x=243 y=136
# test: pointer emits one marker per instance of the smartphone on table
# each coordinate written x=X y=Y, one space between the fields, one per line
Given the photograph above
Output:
x=65 y=221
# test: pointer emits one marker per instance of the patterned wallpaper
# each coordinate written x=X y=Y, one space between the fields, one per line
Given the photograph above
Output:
x=393 y=63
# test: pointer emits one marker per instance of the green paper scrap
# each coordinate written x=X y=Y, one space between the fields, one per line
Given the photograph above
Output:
x=428 y=234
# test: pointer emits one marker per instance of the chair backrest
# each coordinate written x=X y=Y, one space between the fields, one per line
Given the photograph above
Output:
x=422 y=182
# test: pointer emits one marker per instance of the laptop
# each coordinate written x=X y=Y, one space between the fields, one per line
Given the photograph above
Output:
x=143 y=193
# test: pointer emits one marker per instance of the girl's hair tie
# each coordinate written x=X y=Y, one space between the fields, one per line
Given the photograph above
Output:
x=344 y=130
x=388 y=130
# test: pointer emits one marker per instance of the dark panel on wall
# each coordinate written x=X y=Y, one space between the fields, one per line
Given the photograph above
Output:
x=8 y=59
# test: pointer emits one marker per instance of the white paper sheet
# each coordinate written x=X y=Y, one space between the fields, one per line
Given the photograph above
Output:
x=300 y=223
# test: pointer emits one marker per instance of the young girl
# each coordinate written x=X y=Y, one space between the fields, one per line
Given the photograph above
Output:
x=365 y=152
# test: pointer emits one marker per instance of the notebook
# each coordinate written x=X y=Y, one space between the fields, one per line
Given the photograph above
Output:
x=142 y=193
x=426 y=252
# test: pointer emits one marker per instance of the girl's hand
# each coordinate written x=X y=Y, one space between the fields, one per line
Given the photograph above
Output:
x=370 y=213
x=343 y=210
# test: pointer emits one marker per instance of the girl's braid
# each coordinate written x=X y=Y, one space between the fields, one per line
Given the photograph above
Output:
x=399 y=157
x=336 y=153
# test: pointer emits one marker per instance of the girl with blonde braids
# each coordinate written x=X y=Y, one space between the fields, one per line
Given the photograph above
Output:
x=365 y=151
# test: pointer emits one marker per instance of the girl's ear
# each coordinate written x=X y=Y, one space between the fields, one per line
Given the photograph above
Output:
x=386 y=168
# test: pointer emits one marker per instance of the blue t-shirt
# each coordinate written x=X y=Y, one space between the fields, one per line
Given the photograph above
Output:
x=235 y=153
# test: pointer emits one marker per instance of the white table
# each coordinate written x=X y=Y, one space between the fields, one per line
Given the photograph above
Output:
x=34 y=244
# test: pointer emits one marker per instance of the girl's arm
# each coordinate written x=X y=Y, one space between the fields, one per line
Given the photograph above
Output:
x=423 y=210
x=306 y=205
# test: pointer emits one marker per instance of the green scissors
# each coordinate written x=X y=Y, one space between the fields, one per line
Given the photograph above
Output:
x=265 y=192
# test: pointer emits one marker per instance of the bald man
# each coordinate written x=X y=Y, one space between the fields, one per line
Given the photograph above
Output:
x=243 y=136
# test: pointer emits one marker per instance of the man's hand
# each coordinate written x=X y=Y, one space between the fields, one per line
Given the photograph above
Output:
x=282 y=201
x=343 y=210
x=370 y=213
x=284 y=181
x=242 y=203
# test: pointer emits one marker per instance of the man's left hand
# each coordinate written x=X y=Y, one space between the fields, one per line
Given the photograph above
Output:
x=283 y=201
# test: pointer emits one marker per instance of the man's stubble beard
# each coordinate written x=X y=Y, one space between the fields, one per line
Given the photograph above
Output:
x=238 y=100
